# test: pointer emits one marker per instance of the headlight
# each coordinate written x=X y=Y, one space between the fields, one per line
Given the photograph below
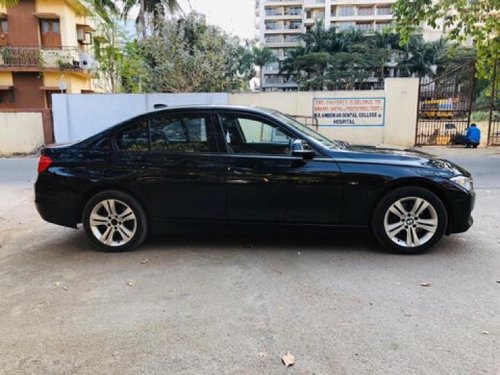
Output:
x=465 y=182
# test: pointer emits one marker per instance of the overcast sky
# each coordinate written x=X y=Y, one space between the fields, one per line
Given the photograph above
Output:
x=235 y=16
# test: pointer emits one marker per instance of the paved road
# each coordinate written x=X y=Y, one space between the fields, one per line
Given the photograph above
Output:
x=235 y=304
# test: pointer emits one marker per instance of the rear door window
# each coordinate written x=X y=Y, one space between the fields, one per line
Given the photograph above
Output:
x=134 y=138
x=190 y=133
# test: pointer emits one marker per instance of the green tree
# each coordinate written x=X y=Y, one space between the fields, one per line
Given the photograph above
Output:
x=348 y=70
x=477 y=19
x=421 y=58
x=312 y=71
x=289 y=66
x=188 y=55
x=262 y=57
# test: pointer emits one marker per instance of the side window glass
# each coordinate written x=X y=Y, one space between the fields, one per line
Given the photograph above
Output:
x=135 y=138
x=246 y=135
x=183 y=133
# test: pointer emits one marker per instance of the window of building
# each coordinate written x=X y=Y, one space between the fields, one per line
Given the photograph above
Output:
x=274 y=39
x=274 y=12
x=4 y=32
x=384 y=10
x=50 y=33
x=366 y=11
x=365 y=27
x=273 y=26
x=345 y=11
x=4 y=26
x=187 y=133
x=292 y=39
x=293 y=11
x=342 y=26
x=380 y=26
x=294 y=25
x=7 y=99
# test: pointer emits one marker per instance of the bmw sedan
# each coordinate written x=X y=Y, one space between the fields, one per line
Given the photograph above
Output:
x=242 y=165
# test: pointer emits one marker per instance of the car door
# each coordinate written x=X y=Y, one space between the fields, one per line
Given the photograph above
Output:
x=265 y=183
x=179 y=175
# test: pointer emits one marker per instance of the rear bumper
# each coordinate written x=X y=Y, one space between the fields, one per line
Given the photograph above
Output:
x=56 y=204
x=56 y=214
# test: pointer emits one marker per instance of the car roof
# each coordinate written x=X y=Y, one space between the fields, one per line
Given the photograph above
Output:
x=170 y=109
x=205 y=107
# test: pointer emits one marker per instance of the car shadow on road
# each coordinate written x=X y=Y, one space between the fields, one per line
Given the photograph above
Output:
x=282 y=240
x=287 y=240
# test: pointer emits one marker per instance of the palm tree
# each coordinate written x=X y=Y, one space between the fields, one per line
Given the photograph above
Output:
x=421 y=57
x=262 y=57
x=105 y=9
x=157 y=8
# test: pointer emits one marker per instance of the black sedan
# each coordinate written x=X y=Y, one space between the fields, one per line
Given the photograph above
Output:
x=225 y=164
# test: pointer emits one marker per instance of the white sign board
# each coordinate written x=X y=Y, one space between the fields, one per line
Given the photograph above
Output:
x=349 y=111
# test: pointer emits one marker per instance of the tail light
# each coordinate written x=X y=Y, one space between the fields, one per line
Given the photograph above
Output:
x=44 y=163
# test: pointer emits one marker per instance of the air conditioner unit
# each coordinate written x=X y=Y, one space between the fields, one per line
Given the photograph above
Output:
x=87 y=62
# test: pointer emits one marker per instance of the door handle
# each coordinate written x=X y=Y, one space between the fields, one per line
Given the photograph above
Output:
x=235 y=171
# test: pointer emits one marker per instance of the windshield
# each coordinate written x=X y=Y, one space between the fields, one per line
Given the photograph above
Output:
x=321 y=139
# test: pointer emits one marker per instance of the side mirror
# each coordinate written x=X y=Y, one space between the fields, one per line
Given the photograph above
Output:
x=304 y=154
x=298 y=150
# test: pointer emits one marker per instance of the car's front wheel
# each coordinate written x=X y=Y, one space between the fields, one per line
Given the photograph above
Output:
x=409 y=220
x=114 y=221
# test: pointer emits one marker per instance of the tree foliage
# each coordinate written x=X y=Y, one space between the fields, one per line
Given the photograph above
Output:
x=344 y=60
x=188 y=55
x=476 y=19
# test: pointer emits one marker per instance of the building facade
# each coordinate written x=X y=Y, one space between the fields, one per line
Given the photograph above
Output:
x=45 y=48
x=280 y=22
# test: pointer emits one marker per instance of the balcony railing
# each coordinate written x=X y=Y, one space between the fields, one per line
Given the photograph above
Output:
x=63 y=58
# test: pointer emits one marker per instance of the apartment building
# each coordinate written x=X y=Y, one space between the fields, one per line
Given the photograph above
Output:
x=280 y=22
x=44 y=49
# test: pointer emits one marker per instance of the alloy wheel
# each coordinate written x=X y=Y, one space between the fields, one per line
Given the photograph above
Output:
x=113 y=222
x=411 y=222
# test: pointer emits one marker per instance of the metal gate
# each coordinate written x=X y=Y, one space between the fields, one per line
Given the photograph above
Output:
x=444 y=106
x=494 y=116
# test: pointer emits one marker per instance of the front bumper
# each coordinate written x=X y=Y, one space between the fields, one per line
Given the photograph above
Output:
x=460 y=210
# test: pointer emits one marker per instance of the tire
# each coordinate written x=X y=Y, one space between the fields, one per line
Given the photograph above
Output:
x=409 y=220
x=114 y=221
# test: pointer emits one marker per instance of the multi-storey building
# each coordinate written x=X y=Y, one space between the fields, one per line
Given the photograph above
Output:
x=44 y=49
x=280 y=22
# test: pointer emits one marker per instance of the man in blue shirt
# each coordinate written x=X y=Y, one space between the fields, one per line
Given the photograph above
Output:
x=473 y=136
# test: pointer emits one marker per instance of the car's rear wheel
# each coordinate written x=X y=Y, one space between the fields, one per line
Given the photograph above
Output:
x=114 y=221
x=409 y=220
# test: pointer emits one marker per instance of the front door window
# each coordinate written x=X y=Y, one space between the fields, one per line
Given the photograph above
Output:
x=245 y=135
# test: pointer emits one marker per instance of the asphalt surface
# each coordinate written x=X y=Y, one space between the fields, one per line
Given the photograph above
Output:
x=234 y=304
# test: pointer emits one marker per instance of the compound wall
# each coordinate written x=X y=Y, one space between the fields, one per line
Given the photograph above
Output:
x=379 y=117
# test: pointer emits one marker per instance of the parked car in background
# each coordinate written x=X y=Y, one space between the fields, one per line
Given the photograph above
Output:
x=225 y=164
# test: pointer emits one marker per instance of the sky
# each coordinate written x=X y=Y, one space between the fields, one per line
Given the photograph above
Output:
x=234 y=16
